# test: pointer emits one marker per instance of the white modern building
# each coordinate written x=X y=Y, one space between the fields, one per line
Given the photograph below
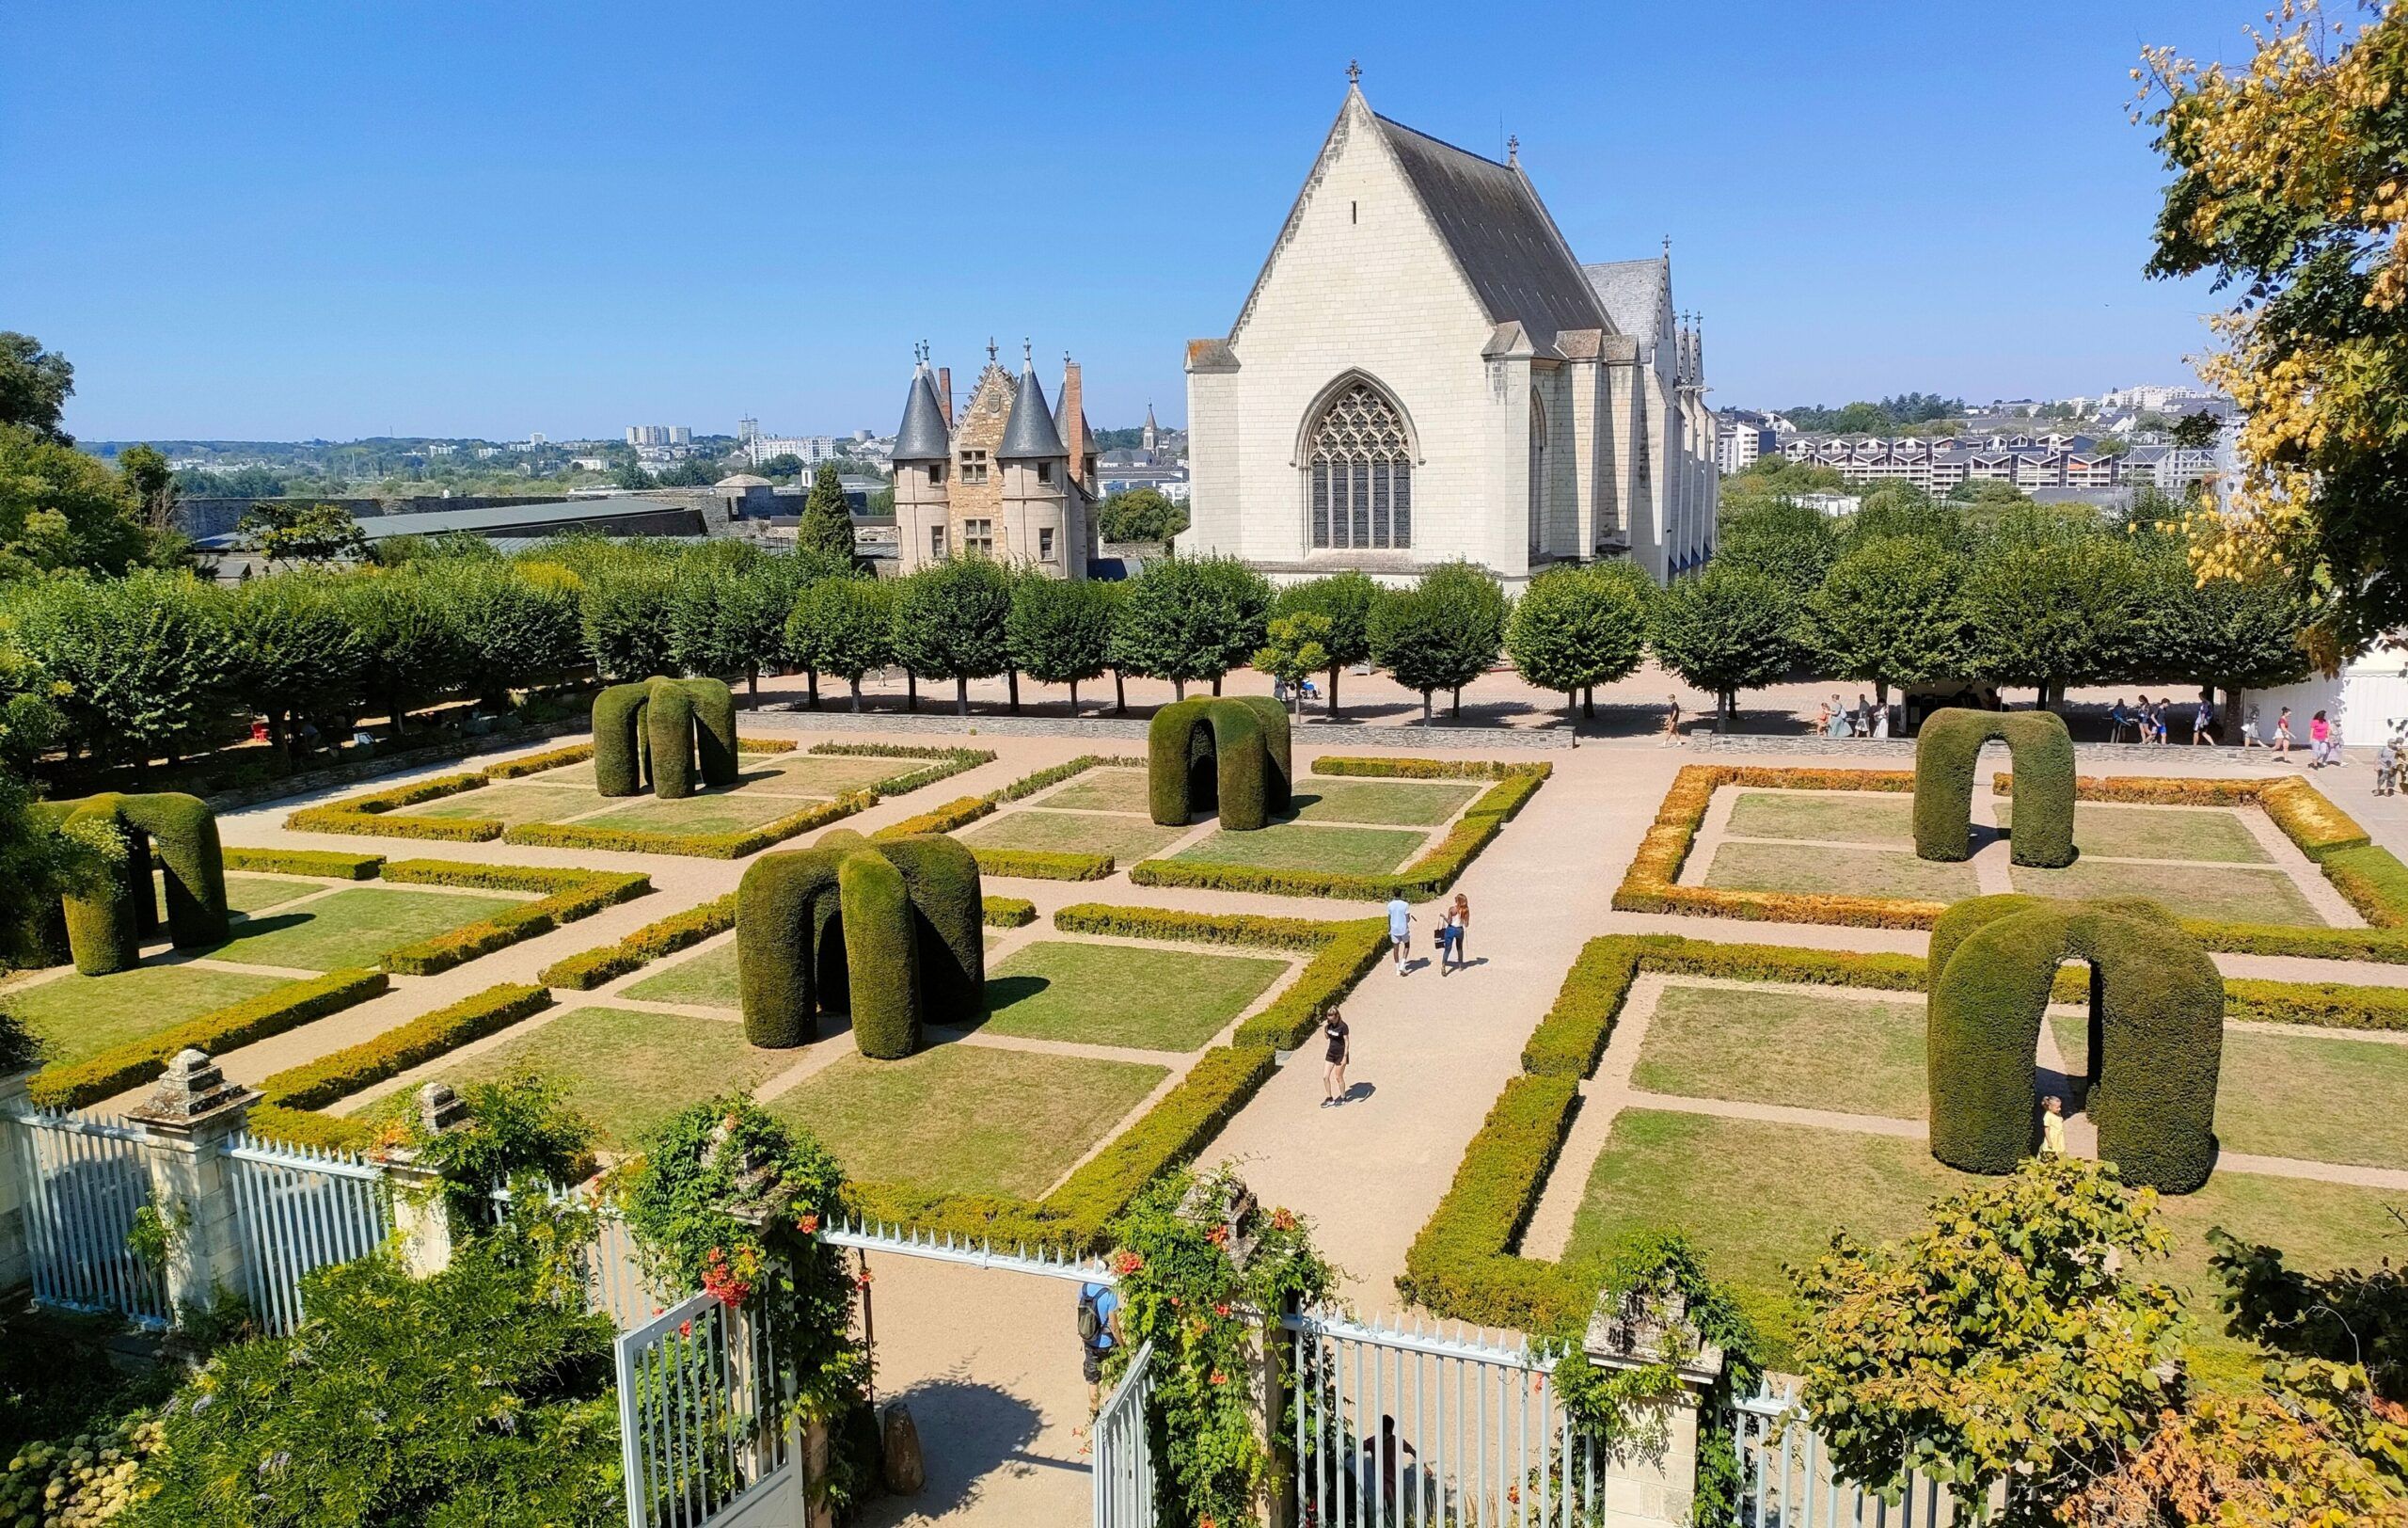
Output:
x=1424 y=372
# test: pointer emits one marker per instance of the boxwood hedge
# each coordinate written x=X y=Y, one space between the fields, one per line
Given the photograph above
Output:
x=1946 y=750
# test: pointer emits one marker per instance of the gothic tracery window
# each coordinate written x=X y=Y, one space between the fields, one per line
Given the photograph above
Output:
x=1360 y=473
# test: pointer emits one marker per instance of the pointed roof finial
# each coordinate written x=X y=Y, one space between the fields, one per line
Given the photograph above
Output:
x=990 y=350
x=1668 y=247
x=1353 y=73
x=1027 y=354
x=1514 y=150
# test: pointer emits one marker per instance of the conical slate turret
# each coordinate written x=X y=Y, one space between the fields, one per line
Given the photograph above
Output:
x=1029 y=434
x=922 y=437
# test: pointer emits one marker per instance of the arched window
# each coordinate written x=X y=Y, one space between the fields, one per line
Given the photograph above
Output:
x=1361 y=473
x=1538 y=472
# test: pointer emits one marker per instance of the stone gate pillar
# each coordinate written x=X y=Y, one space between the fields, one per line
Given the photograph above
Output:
x=420 y=1215
x=191 y=1116
x=16 y=1186
x=1655 y=1488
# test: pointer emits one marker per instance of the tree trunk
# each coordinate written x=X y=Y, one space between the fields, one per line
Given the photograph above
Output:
x=1120 y=693
x=1881 y=691
x=1216 y=684
x=1074 y=697
x=811 y=677
x=960 y=695
x=752 y=684
x=1011 y=680
x=1455 y=703
x=1297 y=701
x=912 y=690
x=2232 y=697
x=1588 y=701
x=1427 y=720
x=857 y=691
x=1179 y=690
x=1333 y=690
x=1726 y=709
x=1572 y=706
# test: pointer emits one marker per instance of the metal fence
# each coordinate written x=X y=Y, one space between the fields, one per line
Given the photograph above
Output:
x=1786 y=1479
x=298 y=1209
x=85 y=1182
x=707 y=1431
x=1405 y=1428
x=1123 y=1459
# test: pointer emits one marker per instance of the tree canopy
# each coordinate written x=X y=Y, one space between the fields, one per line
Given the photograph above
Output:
x=1345 y=601
x=949 y=623
x=282 y=530
x=35 y=385
x=1140 y=514
x=1060 y=631
x=845 y=627
x=1888 y=613
x=827 y=521
x=1725 y=629
x=1577 y=627
x=1442 y=634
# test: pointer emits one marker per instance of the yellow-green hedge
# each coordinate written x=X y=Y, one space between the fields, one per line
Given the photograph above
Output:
x=590 y=968
x=329 y=864
x=331 y=1078
x=373 y=814
x=1041 y=864
x=960 y=812
x=1007 y=912
x=726 y=846
x=552 y=758
x=137 y=1061
x=574 y=895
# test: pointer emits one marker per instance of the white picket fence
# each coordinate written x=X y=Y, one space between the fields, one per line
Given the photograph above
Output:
x=1123 y=1460
x=299 y=1209
x=1786 y=1479
x=85 y=1181
x=707 y=1429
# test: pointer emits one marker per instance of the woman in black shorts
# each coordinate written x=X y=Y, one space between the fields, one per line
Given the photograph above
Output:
x=1333 y=1080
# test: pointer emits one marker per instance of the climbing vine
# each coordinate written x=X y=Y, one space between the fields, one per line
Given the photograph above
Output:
x=1659 y=1282
x=1200 y=1273
x=519 y=1133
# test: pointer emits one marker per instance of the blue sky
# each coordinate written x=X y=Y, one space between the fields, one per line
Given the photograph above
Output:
x=273 y=221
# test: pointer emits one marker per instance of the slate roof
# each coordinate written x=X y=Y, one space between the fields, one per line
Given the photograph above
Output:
x=1632 y=293
x=1499 y=233
x=1029 y=433
x=922 y=437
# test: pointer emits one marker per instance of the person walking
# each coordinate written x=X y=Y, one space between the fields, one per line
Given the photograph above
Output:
x=2203 y=724
x=2283 y=736
x=2052 y=1127
x=1672 y=720
x=2116 y=721
x=2249 y=730
x=1340 y=1051
x=1864 y=714
x=2332 y=743
x=2320 y=732
x=2386 y=768
x=1100 y=1332
x=1823 y=720
x=1400 y=929
x=1458 y=926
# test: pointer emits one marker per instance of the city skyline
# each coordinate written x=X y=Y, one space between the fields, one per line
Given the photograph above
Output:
x=531 y=228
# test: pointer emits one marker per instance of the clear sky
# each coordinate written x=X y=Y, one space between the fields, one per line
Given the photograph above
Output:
x=273 y=221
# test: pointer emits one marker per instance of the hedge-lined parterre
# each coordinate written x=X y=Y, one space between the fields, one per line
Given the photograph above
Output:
x=1946 y=751
x=328 y=863
x=376 y=812
x=1042 y=864
x=139 y=1062
x=964 y=810
x=1225 y=753
x=291 y=1099
x=591 y=968
x=662 y=733
x=106 y=922
x=723 y=846
x=570 y=895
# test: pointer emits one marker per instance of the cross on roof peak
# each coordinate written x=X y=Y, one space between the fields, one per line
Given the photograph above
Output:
x=1353 y=73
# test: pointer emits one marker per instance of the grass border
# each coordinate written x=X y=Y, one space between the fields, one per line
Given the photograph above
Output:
x=2372 y=878
x=81 y=1084
x=1432 y=875
x=293 y=1101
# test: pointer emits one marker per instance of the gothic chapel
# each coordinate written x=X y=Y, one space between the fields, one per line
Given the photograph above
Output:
x=1424 y=372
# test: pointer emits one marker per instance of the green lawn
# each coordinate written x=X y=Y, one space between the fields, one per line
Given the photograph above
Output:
x=813 y=775
x=1127 y=839
x=1294 y=845
x=2307 y=1096
x=1844 y=872
x=966 y=1119
x=1122 y=994
x=352 y=926
x=707 y=979
x=623 y=1070
x=1407 y=804
x=513 y=802
x=718 y=811
x=79 y=1016
x=1855 y=1054
x=1102 y=791
x=2234 y=894
x=2213 y=834
x=1756 y=1196
x=246 y=893
x=1831 y=817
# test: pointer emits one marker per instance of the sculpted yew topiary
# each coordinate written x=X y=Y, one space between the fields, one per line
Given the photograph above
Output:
x=651 y=733
x=1945 y=753
x=107 y=918
x=1228 y=754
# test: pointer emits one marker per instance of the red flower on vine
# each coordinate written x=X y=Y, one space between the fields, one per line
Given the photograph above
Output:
x=1283 y=1220
x=1220 y=1378
x=808 y=1225
x=729 y=1285
x=685 y=1329
x=1125 y=1264
x=861 y=1279
x=1218 y=1236
x=1222 y=1308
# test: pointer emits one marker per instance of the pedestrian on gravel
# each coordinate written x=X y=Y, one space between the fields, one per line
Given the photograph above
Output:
x=2249 y=730
x=2320 y=734
x=1458 y=926
x=2283 y=736
x=2052 y=1127
x=1100 y=1332
x=1341 y=1050
x=1399 y=929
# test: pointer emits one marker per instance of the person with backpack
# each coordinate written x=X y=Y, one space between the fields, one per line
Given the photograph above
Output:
x=1099 y=1334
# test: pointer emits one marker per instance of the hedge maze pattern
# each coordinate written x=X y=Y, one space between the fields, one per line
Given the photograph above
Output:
x=651 y=734
x=1225 y=753
x=2156 y=1034
x=891 y=929
x=1945 y=753
x=104 y=925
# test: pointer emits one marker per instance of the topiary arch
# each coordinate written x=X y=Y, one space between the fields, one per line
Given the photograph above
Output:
x=2156 y=1034
x=1946 y=752
x=1226 y=753
x=106 y=925
x=651 y=734
x=890 y=929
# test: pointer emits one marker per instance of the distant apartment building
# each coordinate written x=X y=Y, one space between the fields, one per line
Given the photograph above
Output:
x=659 y=434
x=2054 y=459
x=1741 y=437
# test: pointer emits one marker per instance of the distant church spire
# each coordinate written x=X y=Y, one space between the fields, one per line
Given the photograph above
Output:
x=1353 y=73
x=1514 y=150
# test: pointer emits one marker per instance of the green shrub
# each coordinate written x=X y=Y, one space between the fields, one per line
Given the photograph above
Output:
x=619 y=741
x=783 y=907
x=591 y=968
x=2373 y=879
x=651 y=732
x=1223 y=753
x=722 y=846
x=1946 y=752
x=331 y=864
x=882 y=970
x=574 y=895
x=1041 y=864
x=1170 y=1134
x=1461 y=1264
x=107 y=920
x=552 y=758
x=1425 y=768
x=330 y=1078
x=960 y=812
x=2331 y=1005
x=137 y=1061
x=2157 y=1034
x=371 y=813
x=1007 y=912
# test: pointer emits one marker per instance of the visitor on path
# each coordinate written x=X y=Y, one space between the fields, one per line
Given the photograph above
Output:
x=2332 y=743
x=1672 y=720
x=2116 y=721
x=1841 y=726
x=1457 y=928
x=1400 y=929
x=2386 y=767
x=2158 y=717
x=1881 y=719
x=1823 y=719
x=2249 y=730
x=1333 y=1076
x=2203 y=724
x=2140 y=721
x=2283 y=736
x=2052 y=1127
x=1099 y=1334
x=1864 y=714
x=2320 y=733
x=1396 y=1463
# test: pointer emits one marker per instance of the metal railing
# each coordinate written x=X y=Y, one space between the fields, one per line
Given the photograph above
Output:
x=1123 y=1459
x=1786 y=1479
x=707 y=1431
x=298 y=1209
x=86 y=1180
x=1045 y=1262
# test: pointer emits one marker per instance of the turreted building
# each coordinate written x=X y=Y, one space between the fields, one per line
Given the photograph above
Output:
x=1010 y=479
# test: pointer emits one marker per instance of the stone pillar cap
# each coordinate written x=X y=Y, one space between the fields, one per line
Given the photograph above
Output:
x=1642 y=1327
x=440 y=1109
x=191 y=1090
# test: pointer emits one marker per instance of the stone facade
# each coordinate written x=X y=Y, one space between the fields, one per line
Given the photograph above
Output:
x=1543 y=424
x=1007 y=479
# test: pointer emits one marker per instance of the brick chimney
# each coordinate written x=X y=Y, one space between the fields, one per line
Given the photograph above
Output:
x=944 y=394
x=1074 y=435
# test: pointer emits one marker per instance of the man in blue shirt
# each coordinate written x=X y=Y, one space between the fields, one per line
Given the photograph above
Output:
x=1099 y=1334
x=1399 y=929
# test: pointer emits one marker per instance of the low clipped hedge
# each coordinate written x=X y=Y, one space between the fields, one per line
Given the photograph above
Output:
x=272 y=1013
x=1946 y=752
x=964 y=810
x=552 y=758
x=1054 y=775
x=313 y=1085
x=573 y=895
x=590 y=968
x=1462 y=1265
x=2331 y=1005
x=1432 y=875
x=1171 y=1134
x=1007 y=912
x=1041 y=864
x=1416 y=769
x=726 y=846
x=328 y=863
x=376 y=813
